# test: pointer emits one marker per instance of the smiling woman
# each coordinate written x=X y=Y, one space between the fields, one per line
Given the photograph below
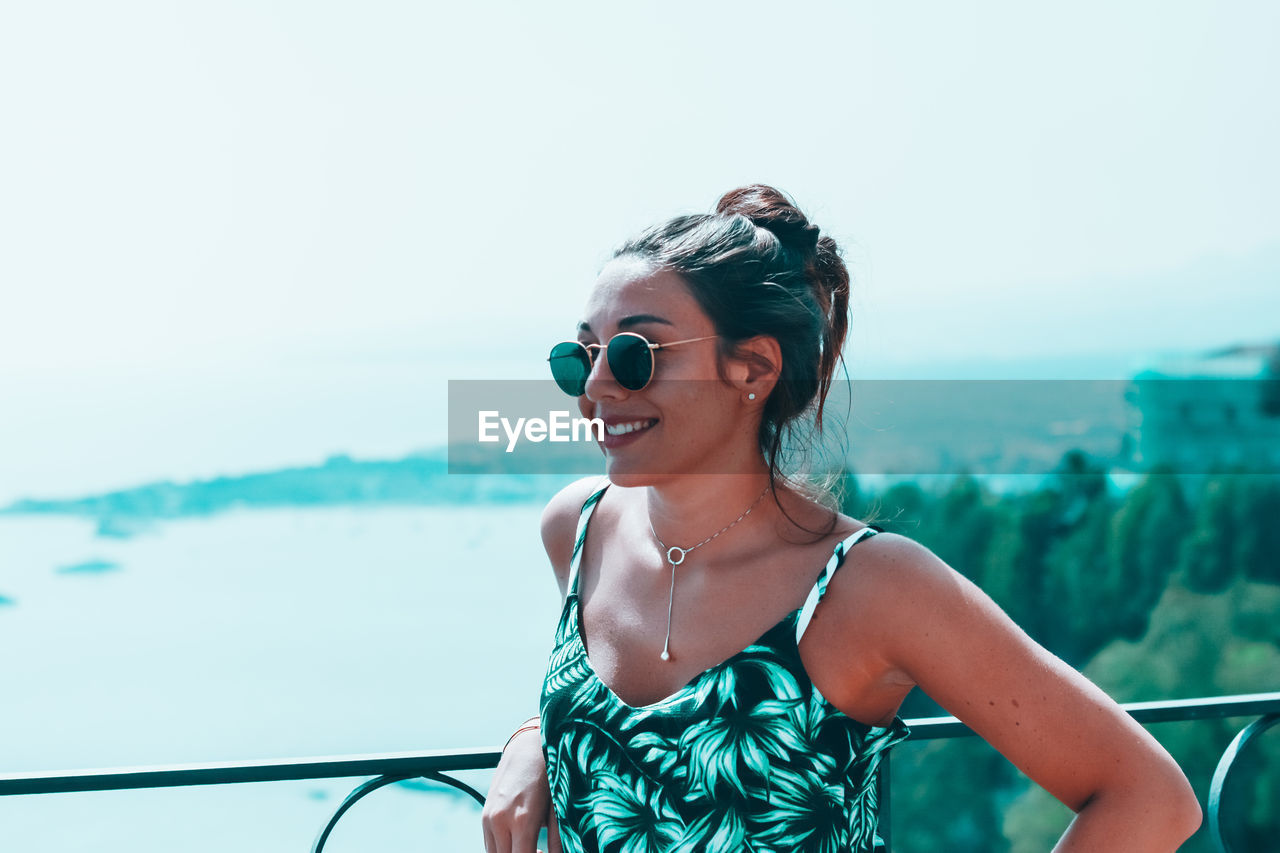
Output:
x=758 y=718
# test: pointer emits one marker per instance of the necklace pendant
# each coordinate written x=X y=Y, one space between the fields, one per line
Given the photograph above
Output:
x=675 y=556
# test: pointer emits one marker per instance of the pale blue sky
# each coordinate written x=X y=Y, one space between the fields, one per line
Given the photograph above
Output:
x=244 y=234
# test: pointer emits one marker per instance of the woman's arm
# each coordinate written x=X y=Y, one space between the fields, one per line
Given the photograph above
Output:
x=518 y=804
x=935 y=628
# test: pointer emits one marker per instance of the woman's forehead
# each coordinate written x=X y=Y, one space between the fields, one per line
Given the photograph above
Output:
x=633 y=287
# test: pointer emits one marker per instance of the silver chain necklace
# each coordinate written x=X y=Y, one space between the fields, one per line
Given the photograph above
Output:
x=675 y=556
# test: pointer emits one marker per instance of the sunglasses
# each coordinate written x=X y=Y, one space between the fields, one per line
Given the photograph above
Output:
x=630 y=361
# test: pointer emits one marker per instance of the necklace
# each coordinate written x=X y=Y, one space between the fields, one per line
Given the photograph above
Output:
x=675 y=556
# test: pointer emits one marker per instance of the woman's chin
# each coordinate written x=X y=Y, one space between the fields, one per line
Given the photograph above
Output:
x=626 y=470
x=628 y=476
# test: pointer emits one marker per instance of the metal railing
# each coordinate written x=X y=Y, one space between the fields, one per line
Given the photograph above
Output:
x=432 y=765
x=1264 y=706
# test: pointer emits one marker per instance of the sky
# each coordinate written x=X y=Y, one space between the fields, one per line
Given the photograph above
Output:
x=241 y=235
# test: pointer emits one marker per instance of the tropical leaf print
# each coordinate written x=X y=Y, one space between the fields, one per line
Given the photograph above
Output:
x=863 y=816
x=748 y=756
x=720 y=830
x=590 y=699
x=569 y=840
x=807 y=813
x=813 y=719
x=779 y=678
x=632 y=814
x=655 y=751
x=559 y=781
x=719 y=748
x=566 y=669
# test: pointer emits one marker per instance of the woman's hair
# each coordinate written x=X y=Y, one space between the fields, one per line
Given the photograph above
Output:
x=757 y=266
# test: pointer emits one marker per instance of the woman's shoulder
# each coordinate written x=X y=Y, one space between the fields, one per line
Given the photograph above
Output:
x=889 y=588
x=560 y=523
x=882 y=571
x=566 y=506
x=890 y=581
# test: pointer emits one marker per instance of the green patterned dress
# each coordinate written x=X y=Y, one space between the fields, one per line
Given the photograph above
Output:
x=748 y=756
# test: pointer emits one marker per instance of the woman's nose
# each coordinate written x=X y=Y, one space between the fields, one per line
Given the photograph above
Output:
x=600 y=383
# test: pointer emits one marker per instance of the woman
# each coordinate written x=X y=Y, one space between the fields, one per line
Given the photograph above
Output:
x=747 y=706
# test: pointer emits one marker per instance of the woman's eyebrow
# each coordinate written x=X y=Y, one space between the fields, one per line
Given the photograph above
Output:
x=640 y=319
x=631 y=320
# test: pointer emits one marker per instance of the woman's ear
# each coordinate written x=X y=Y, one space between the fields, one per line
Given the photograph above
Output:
x=756 y=366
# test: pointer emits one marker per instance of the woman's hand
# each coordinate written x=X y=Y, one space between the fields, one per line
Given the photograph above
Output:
x=519 y=800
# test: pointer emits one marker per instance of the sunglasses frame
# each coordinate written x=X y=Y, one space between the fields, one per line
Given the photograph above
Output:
x=591 y=359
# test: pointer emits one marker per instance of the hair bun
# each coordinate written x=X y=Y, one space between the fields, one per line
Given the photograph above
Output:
x=769 y=208
x=823 y=267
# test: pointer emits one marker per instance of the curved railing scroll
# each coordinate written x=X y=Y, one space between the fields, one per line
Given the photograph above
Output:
x=1226 y=764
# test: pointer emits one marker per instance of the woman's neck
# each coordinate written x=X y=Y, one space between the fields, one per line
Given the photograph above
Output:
x=687 y=509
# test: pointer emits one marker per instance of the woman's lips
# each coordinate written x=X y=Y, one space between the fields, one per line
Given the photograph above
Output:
x=623 y=433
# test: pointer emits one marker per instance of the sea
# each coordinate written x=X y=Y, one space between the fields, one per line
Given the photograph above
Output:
x=265 y=634
x=268 y=633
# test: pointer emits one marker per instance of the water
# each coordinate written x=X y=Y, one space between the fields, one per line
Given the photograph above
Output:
x=265 y=634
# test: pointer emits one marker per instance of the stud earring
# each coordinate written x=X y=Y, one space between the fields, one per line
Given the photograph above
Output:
x=751 y=396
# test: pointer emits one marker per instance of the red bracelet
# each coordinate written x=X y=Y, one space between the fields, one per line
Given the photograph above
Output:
x=524 y=727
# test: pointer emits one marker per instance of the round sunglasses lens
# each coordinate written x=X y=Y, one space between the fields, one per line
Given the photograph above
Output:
x=630 y=360
x=570 y=367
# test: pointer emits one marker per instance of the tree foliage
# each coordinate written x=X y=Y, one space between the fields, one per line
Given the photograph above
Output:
x=1168 y=590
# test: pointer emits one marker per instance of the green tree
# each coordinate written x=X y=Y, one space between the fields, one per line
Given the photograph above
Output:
x=1079 y=586
x=1258 y=534
x=949 y=794
x=959 y=525
x=1210 y=558
x=1146 y=535
x=1025 y=527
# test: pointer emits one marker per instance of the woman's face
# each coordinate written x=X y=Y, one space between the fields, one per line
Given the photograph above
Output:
x=687 y=418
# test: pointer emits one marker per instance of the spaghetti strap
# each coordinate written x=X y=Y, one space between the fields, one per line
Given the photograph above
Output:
x=820 y=586
x=588 y=507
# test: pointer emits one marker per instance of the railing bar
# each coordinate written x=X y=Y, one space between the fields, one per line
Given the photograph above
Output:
x=469 y=753
x=234 y=772
x=1250 y=705
x=485 y=758
x=1198 y=709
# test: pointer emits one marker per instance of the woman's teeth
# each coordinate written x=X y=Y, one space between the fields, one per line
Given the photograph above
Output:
x=623 y=429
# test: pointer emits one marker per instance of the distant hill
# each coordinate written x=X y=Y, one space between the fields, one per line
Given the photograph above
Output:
x=897 y=428
x=417 y=479
x=887 y=428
